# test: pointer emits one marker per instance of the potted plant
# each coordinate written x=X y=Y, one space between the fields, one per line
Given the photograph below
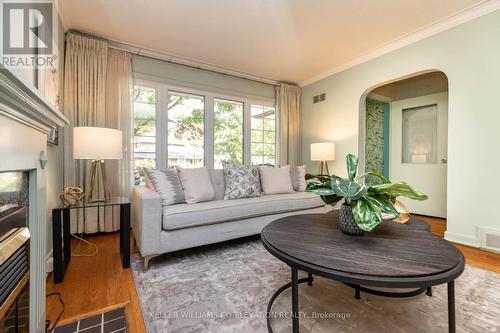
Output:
x=363 y=204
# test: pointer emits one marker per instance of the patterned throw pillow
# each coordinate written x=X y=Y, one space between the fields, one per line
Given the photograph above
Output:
x=298 y=174
x=241 y=181
x=167 y=184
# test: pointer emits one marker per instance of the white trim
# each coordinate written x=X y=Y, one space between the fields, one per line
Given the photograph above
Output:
x=461 y=239
x=49 y=263
x=26 y=104
x=446 y=23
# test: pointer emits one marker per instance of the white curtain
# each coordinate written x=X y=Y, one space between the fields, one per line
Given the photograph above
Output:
x=288 y=107
x=97 y=92
x=119 y=116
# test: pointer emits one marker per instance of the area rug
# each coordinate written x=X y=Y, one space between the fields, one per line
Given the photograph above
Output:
x=226 y=287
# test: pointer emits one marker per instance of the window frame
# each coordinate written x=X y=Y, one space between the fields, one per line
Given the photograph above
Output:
x=276 y=148
x=162 y=89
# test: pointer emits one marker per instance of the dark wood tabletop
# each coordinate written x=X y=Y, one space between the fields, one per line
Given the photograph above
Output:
x=397 y=255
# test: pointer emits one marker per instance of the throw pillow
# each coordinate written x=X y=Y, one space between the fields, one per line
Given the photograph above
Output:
x=242 y=181
x=166 y=183
x=276 y=180
x=196 y=184
x=298 y=174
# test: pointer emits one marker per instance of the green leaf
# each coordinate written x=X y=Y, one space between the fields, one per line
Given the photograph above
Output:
x=352 y=166
x=384 y=203
x=396 y=190
x=331 y=200
x=314 y=185
x=366 y=214
x=348 y=189
x=374 y=174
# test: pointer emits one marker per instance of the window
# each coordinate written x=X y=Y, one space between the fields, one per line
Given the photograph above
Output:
x=185 y=130
x=190 y=128
x=263 y=135
x=144 y=131
x=228 y=132
x=419 y=144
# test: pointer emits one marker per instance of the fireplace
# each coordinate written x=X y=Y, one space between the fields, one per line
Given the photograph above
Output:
x=26 y=118
x=14 y=252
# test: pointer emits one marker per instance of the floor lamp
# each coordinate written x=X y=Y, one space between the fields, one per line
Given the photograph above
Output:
x=323 y=152
x=97 y=144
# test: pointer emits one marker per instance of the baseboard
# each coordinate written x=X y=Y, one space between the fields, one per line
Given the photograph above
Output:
x=462 y=239
x=49 y=263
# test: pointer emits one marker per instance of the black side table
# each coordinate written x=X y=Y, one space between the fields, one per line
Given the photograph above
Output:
x=61 y=236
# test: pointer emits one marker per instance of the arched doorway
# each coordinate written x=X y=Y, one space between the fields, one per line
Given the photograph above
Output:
x=404 y=135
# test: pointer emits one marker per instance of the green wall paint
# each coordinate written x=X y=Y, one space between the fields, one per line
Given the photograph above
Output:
x=199 y=79
x=468 y=55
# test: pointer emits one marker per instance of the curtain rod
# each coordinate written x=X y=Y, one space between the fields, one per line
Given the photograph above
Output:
x=148 y=53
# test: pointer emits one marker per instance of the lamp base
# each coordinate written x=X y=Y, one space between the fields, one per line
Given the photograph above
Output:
x=98 y=183
x=323 y=168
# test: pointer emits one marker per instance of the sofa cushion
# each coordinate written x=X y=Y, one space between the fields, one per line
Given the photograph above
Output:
x=196 y=184
x=298 y=175
x=166 y=183
x=242 y=181
x=276 y=180
x=218 y=211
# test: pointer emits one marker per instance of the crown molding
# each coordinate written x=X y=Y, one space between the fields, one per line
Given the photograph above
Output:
x=446 y=23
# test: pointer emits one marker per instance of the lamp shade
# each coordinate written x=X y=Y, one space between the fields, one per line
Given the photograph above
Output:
x=323 y=151
x=90 y=143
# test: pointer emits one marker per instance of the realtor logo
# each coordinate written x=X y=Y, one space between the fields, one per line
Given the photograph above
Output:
x=27 y=28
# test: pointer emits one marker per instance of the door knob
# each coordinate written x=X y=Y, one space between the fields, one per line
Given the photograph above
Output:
x=444 y=161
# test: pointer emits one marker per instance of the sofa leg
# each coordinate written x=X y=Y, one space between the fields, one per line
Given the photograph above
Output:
x=146 y=262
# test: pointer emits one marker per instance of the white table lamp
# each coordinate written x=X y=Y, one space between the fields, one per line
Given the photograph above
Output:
x=323 y=152
x=97 y=144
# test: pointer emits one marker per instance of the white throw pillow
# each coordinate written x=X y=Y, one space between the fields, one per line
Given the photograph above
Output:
x=196 y=184
x=166 y=183
x=298 y=174
x=276 y=180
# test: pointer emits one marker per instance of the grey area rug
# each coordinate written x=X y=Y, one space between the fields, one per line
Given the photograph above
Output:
x=226 y=288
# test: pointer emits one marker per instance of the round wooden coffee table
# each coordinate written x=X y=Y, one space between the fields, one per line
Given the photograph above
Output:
x=393 y=256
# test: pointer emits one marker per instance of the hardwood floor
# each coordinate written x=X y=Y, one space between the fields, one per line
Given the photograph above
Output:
x=473 y=256
x=98 y=283
x=94 y=284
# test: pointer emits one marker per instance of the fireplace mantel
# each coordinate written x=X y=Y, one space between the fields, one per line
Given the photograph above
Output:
x=26 y=117
x=24 y=103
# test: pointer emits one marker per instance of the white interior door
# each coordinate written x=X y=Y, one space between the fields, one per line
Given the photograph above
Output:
x=418 y=150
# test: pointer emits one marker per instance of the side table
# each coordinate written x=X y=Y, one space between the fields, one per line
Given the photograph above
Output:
x=61 y=235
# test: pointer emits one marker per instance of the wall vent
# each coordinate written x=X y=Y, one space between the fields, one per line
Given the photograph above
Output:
x=489 y=238
x=319 y=98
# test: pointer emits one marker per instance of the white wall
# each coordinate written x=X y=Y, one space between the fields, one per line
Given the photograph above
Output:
x=469 y=55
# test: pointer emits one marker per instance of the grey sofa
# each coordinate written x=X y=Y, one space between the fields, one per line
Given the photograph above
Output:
x=159 y=230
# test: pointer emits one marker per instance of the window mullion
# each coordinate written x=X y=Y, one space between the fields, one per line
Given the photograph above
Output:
x=247 y=124
x=209 y=139
x=162 y=128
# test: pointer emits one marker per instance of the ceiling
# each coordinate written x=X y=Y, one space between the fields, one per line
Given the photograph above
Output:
x=420 y=85
x=286 y=40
